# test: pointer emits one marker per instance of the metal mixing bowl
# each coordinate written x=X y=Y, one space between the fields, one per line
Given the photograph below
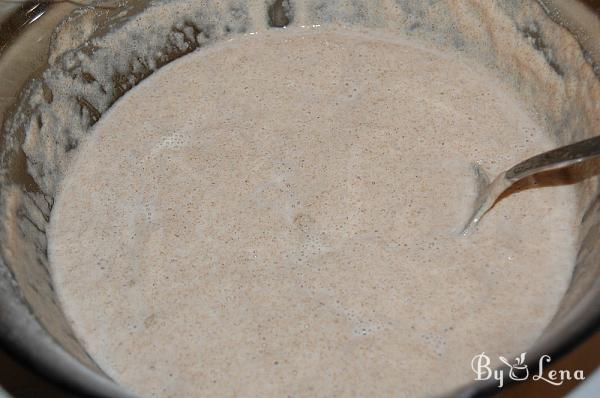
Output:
x=32 y=326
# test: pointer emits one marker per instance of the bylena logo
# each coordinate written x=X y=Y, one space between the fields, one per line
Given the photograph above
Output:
x=519 y=371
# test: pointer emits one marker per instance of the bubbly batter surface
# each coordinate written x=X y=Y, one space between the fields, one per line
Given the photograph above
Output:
x=278 y=215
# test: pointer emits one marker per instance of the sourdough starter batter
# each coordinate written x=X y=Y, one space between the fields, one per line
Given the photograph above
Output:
x=278 y=216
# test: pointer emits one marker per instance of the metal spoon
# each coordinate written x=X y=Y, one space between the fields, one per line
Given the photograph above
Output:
x=551 y=160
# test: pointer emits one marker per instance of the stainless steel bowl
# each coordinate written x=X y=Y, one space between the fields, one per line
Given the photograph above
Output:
x=32 y=325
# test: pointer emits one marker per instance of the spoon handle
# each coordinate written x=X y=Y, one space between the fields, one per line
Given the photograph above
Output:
x=555 y=159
